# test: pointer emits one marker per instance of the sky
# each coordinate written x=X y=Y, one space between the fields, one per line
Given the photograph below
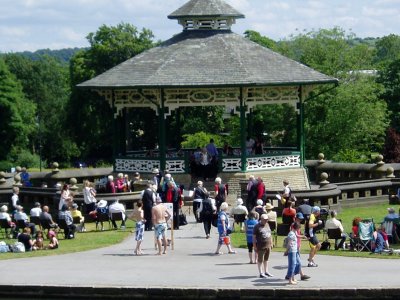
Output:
x=29 y=25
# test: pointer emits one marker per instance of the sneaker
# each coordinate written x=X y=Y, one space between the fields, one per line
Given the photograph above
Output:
x=269 y=274
x=263 y=275
x=305 y=277
x=123 y=227
x=312 y=264
x=287 y=277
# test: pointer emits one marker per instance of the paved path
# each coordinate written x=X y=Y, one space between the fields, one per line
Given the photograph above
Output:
x=191 y=265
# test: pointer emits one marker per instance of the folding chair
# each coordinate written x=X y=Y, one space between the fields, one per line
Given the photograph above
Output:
x=390 y=229
x=287 y=219
x=335 y=234
x=239 y=219
x=103 y=218
x=116 y=216
x=4 y=226
x=272 y=226
x=365 y=235
x=283 y=229
x=36 y=220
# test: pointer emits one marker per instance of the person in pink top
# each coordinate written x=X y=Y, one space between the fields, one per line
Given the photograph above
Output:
x=120 y=183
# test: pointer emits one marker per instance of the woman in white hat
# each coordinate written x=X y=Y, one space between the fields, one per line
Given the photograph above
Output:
x=239 y=213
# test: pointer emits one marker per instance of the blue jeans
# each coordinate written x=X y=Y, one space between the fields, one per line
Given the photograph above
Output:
x=294 y=264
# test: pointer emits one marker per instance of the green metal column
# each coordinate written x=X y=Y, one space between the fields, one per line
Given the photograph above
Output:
x=243 y=132
x=161 y=133
x=300 y=128
x=115 y=131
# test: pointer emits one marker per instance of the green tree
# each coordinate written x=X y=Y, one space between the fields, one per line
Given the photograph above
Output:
x=17 y=115
x=259 y=39
x=328 y=51
x=109 y=46
x=389 y=76
x=45 y=81
x=352 y=117
x=387 y=49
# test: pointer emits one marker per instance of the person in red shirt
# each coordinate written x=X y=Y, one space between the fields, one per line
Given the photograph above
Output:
x=261 y=190
x=289 y=213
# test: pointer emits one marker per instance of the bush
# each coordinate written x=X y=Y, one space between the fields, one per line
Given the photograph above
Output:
x=6 y=165
x=200 y=139
x=28 y=160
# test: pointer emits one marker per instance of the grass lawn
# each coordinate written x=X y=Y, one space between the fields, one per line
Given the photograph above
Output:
x=377 y=212
x=91 y=239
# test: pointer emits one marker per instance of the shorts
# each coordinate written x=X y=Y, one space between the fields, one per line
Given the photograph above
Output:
x=139 y=231
x=159 y=230
x=250 y=247
x=313 y=241
x=263 y=254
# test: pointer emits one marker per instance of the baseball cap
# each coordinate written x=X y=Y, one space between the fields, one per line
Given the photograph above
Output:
x=316 y=209
x=300 y=216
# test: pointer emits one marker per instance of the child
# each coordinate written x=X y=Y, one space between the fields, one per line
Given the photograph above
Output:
x=38 y=242
x=53 y=242
x=294 y=264
x=249 y=226
x=138 y=216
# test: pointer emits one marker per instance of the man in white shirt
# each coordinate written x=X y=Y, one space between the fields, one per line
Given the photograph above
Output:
x=117 y=207
x=35 y=211
x=334 y=223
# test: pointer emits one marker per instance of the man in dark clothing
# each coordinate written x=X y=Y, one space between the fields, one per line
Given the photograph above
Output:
x=172 y=196
x=305 y=209
x=148 y=200
x=252 y=191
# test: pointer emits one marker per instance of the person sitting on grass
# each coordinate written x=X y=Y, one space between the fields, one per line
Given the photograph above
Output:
x=53 y=241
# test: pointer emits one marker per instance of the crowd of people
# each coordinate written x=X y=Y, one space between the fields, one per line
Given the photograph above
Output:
x=256 y=219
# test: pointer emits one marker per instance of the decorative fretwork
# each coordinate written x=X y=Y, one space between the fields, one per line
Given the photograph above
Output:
x=175 y=166
x=231 y=165
x=271 y=95
x=272 y=162
x=107 y=94
x=190 y=24
x=261 y=163
x=175 y=98
x=133 y=98
x=186 y=97
x=147 y=165
x=136 y=165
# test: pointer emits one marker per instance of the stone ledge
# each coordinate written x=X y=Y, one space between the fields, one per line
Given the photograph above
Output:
x=68 y=292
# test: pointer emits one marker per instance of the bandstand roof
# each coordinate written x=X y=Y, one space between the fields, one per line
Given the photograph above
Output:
x=207 y=57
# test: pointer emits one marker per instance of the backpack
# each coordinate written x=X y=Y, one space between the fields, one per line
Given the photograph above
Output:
x=17 y=247
x=4 y=247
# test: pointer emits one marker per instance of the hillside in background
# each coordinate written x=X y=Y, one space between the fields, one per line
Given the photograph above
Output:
x=63 y=55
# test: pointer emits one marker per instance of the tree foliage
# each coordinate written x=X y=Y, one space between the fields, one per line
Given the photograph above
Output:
x=109 y=46
x=16 y=114
x=45 y=82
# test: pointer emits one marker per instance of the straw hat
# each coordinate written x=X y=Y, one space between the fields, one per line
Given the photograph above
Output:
x=269 y=206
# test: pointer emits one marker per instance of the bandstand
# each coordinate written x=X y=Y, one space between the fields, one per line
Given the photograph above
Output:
x=207 y=65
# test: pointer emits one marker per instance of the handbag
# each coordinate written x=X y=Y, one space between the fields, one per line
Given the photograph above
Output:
x=182 y=218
